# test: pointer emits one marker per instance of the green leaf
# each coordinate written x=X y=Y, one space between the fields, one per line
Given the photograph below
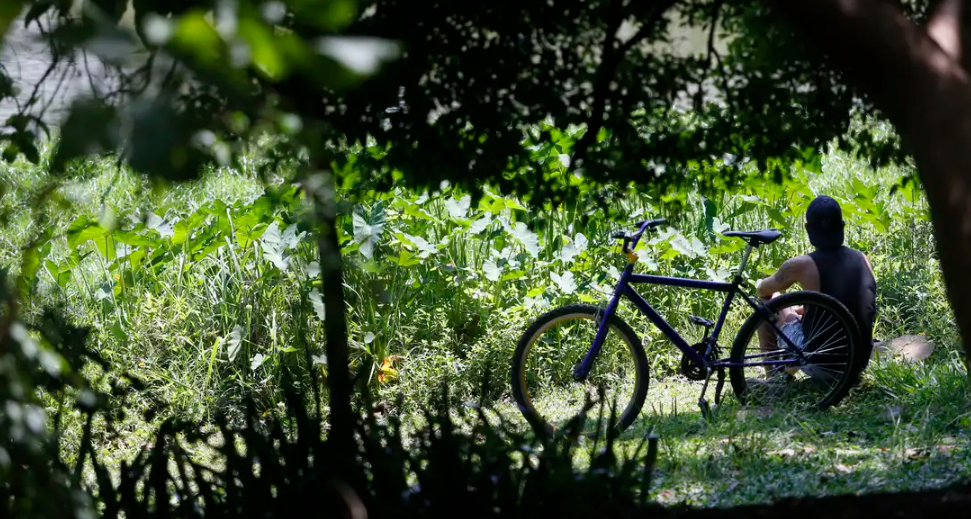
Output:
x=529 y=239
x=711 y=211
x=406 y=259
x=566 y=283
x=266 y=57
x=511 y=203
x=515 y=274
x=317 y=301
x=425 y=249
x=235 y=342
x=689 y=247
x=9 y=10
x=574 y=248
x=159 y=225
x=83 y=229
x=776 y=216
x=417 y=212
x=368 y=227
x=481 y=224
x=275 y=247
x=491 y=270
x=458 y=209
x=90 y=128
x=330 y=16
x=31 y=261
x=257 y=361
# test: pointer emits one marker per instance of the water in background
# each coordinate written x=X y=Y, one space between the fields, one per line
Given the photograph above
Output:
x=25 y=58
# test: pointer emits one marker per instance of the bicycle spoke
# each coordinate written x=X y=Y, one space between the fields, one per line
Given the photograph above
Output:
x=824 y=356
x=817 y=334
x=553 y=393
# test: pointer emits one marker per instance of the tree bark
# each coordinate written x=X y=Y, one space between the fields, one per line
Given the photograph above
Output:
x=926 y=93
x=340 y=438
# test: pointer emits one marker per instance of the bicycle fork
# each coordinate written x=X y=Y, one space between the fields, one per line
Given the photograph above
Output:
x=582 y=371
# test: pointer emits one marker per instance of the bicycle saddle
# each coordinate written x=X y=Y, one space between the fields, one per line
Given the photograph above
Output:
x=755 y=237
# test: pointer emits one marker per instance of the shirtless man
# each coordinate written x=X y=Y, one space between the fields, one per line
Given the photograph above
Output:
x=833 y=269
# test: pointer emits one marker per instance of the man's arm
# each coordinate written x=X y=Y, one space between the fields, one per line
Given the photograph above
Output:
x=791 y=272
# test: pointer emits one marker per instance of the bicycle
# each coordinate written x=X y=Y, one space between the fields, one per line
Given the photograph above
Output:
x=829 y=338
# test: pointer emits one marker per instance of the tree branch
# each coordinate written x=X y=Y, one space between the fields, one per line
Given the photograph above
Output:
x=610 y=61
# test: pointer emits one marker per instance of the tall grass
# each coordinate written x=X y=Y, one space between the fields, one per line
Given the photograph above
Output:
x=438 y=288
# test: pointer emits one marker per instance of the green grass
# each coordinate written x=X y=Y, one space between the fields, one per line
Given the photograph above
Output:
x=444 y=289
x=881 y=438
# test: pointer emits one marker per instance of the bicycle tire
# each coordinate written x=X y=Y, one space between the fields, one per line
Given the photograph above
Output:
x=519 y=391
x=750 y=327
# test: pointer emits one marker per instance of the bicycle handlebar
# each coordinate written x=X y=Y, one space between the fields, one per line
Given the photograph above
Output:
x=643 y=225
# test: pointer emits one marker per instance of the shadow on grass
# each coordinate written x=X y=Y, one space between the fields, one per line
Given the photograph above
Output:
x=872 y=442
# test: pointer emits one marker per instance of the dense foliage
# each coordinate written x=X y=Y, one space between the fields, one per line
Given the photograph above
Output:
x=207 y=293
x=218 y=298
x=651 y=110
x=212 y=291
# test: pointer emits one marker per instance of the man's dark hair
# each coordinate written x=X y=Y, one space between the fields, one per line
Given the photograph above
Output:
x=824 y=223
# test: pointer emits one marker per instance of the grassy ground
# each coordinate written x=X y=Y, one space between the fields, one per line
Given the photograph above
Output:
x=905 y=427
x=441 y=293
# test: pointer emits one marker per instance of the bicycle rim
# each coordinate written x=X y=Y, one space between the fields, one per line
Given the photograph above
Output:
x=547 y=357
x=826 y=335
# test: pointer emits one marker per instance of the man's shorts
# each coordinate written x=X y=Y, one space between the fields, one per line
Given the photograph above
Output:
x=792 y=329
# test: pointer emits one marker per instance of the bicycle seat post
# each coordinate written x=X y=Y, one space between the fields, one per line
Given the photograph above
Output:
x=744 y=263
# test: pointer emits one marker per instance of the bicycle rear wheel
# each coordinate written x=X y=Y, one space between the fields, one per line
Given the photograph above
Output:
x=542 y=372
x=826 y=333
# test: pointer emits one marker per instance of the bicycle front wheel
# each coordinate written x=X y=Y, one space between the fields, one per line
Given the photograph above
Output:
x=547 y=354
x=824 y=332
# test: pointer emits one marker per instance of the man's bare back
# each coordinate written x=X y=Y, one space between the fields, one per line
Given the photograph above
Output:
x=832 y=269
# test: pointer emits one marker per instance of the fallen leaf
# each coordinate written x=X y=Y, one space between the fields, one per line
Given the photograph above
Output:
x=945 y=449
x=916 y=454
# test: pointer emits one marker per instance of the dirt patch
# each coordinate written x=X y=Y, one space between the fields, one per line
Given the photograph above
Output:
x=912 y=348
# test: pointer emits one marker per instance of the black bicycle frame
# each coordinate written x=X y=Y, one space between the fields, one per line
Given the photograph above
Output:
x=624 y=289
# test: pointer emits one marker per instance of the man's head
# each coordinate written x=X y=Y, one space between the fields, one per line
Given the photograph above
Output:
x=824 y=223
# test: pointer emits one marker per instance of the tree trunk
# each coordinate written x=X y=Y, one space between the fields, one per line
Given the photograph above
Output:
x=926 y=94
x=340 y=439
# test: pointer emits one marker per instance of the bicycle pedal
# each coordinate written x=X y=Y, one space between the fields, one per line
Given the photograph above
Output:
x=705 y=408
x=701 y=321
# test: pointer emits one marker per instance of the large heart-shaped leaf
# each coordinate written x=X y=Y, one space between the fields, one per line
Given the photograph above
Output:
x=481 y=224
x=235 y=342
x=368 y=227
x=491 y=270
x=425 y=249
x=257 y=361
x=159 y=225
x=275 y=247
x=458 y=208
x=317 y=301
x=83 y=229
x=529 y=239
x=574 y=248
x=566 y=283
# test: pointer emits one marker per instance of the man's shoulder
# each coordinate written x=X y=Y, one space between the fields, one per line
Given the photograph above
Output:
x=798 y=264
x=801 y=261
x=858 y=253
